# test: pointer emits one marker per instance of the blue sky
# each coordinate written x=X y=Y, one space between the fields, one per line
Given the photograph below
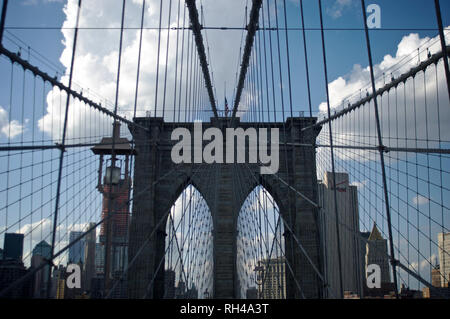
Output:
x=401 y=14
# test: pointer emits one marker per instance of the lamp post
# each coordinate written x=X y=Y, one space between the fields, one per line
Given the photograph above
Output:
x=114 y=187
x=259 y=278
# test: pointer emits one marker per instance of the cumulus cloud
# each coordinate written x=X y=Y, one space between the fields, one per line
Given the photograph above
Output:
x=347 y=87
x=97 y=59
x=411 y=115
x=360 y=185
x=424 y=264
x=420 y=200
x=338 y=8
x=41 y=230
x=8 y=128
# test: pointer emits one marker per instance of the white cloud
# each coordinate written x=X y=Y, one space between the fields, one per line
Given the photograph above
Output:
x=403 y=111
x=424 y=264
x=97 y=56
x=41 y=230
x=420 y=200
x=338 y=8
x=347 y=87
x=359 y=185
x=11 y=128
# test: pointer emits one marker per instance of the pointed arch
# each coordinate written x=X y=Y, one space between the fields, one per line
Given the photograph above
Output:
x=189 y=261
x=260 y=260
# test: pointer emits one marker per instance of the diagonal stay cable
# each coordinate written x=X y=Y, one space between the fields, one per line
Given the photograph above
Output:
x=297 y=241
x=133 y=260
x=177 y=244
x=44 y=263
x=15 y=58
x=275 y=237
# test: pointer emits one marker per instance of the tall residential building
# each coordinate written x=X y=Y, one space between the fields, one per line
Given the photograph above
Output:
x=76 y=252
x=251 y=293
x=58 y=282
x=13 y=246
x=60 y=289
x=89 y=257
x=350 y=243
x=273 y=285
x=41 y=252
x=169 y=284
x=180 y=290
x=444 y=258
x=99 y=259
x=364 y=237
x=377 y=253
x=436 y=276
x=12 y=270
x=192 y=293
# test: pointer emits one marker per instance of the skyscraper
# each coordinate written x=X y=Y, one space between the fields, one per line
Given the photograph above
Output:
x=89 y=257
x=76 y=252
x=13 y=246
x=273 y=284
x=12 y=270
x=169 y=284
x=43 y=249
x=377 y=253
x=436 y=276
x=364 y=237
x=99 y=259
x=41 y=252
x=444 y=258
x=350 y=243
x=251 y=293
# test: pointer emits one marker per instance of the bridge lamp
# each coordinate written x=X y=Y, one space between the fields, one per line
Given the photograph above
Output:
x=206 y=294
x=112 y=147
x=112 y=175
x=122 y=147
x=259 y=277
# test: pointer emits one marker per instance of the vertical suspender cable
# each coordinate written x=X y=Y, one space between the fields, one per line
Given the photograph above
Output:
x=287 y=57
x=158 y=57
x=113 y=162
x=133 y=145
x=308 y=84
x=338 y=242
x=176 y=64
x=139 y=60
x=167 y=58
x=2 y=21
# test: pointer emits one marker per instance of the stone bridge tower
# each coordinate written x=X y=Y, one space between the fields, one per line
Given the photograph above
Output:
x=224 y=187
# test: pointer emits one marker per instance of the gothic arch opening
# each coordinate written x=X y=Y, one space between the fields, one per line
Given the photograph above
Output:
x=189 y=265
x=260 y=261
